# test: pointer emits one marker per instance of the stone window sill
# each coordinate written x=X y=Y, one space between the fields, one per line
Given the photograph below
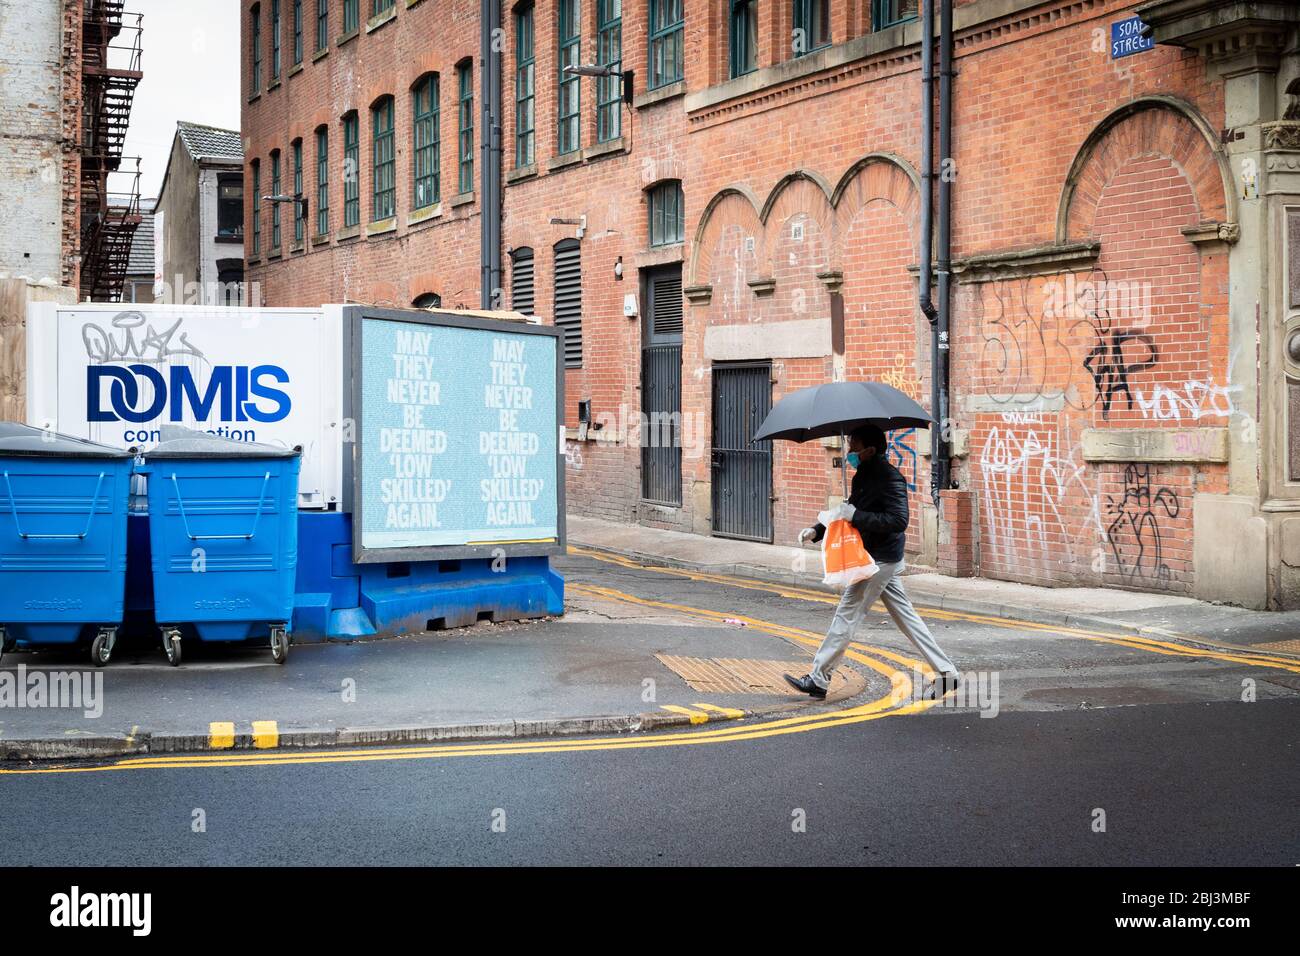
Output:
x=611 y=147
x=519 y=174
x=349 y=232
x=295 y=69
x=382 y=226
x=375 y=22
x=347 y=37
x=320 y=54
x=320 y=240
x=425 y=214
x=463 y=199
x=564 y=161
x=669 y=91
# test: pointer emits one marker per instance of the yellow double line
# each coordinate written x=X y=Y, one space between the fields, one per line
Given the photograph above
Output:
x=898 y=701
x=1226 y=654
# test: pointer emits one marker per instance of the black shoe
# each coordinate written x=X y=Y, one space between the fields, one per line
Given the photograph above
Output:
x=941 y=687
x=806 y=685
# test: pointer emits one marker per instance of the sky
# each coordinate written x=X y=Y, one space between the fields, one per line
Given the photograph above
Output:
x=191 y=72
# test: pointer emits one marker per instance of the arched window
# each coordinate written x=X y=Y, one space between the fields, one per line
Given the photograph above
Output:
x=255 y=48
x=385 y=160
x=351 y=170
x=667 y=217
x=429 y=300
x=427 y=142
x=744 y=37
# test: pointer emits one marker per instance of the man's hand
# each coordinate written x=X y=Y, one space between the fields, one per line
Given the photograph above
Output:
x=807 y=534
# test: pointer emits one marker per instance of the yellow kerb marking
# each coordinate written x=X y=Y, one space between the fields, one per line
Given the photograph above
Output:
x=266 y=735
x=221 y=735
x=695 y=715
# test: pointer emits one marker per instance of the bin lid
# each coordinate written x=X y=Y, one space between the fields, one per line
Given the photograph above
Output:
x=180 y=442
x=24 y=441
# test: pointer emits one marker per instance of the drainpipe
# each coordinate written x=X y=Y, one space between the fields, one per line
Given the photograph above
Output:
x=927 y=225
x=490 y=156
x=941 y=463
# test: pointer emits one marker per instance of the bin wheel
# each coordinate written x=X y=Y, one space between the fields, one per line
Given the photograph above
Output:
x=172 y=645
x=279 y=644
x=101 y=649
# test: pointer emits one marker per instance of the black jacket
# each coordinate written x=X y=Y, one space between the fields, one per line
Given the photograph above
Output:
x=879 y=493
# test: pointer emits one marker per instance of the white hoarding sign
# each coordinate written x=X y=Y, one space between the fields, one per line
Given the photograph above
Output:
x=116 y=373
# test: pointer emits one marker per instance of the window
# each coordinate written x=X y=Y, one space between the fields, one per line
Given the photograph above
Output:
x=275 y=206
x=275 y=39
x=322 y=180
x=886 y=13
x=666 y=217
x=609 y=53
x=297 y=32
x=230 y=206
x=351 y=170
x=665 y=42
x=351 y=16
x=525 y=89
x=570 y=85
x=812 y=25
x=428 y=188
x=385 y=162
x=744 y=37
x=299 y=217
x=322 y=24
x=568 y=299
x=429 y=300
x=521 y=281
x=256 y=170
x=380 y=6
x=465 y=83
x=255 y=50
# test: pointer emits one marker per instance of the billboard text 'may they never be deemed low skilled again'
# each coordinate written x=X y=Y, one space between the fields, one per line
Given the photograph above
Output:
x=459 y=436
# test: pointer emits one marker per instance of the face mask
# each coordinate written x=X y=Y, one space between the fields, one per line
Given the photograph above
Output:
x=853 y=459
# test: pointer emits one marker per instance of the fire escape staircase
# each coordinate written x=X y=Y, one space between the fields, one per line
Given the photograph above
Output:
x=110 y=195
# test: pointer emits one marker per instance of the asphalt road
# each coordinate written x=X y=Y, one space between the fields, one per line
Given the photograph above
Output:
x=1102 y=753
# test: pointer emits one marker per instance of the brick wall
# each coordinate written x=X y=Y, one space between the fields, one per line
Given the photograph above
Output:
x=1073 y=173
x=40 y=170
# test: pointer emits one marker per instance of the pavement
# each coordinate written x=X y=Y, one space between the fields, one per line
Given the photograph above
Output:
x=1138 y=613
x=604 y=667
x=1097 y=750
x=662 y=630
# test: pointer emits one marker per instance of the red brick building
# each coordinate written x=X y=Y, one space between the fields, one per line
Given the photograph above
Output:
x=1125 y=347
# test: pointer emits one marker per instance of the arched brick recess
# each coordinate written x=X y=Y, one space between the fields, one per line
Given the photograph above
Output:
x=735 y=207
x=1158 y=127
x=874 y=178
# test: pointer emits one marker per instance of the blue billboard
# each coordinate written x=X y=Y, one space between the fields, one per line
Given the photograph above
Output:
x=458 y=438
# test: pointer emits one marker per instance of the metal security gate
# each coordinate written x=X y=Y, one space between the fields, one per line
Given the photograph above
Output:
x=742 y=468
x=661 y=387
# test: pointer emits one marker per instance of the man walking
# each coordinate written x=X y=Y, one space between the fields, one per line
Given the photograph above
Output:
x=879 y=496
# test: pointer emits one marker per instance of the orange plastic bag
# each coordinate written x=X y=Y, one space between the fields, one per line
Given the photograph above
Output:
x=844 y=556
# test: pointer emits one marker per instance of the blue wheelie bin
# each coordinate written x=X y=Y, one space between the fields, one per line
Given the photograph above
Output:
x=223 y=531
x=63 y=504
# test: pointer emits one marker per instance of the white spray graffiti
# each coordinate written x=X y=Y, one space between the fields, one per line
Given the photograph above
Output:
x=1197 y=400
x=1024 y=485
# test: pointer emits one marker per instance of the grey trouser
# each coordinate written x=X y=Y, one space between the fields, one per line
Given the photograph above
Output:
x=887 y=585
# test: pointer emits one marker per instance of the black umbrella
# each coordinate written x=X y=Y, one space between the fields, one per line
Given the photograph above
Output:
x=837 y=408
